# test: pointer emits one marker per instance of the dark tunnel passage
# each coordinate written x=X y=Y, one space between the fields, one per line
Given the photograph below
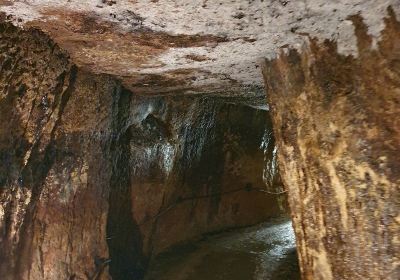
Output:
x=186 y=168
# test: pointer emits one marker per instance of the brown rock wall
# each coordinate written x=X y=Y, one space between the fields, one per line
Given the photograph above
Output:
x=55 y=169
x=336 y=121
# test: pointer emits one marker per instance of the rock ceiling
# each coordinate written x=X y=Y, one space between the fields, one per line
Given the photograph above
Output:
x=191 y=46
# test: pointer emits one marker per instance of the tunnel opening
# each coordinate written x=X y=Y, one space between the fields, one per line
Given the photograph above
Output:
x=128 y=176
x=191 y=172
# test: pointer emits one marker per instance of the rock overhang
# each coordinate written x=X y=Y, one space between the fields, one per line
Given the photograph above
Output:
x=192 y=47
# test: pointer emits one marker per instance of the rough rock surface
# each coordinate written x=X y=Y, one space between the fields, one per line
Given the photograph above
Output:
x=336 y=121
x=199 y=45
x=95 y=180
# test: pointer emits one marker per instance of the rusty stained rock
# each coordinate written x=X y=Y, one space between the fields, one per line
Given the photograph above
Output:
x=336 y=121
x=92 y=44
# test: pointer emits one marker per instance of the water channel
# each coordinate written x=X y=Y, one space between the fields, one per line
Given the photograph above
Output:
x=266 y=251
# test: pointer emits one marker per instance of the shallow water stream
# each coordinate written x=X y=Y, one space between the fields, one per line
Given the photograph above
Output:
x=261 y=252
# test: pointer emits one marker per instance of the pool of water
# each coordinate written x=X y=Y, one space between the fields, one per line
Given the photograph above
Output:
x=262 y=252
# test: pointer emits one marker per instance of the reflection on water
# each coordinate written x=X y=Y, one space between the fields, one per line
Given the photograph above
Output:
x=263 y=252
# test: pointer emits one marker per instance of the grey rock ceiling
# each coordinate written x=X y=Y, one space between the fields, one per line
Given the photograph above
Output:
x=170 y=46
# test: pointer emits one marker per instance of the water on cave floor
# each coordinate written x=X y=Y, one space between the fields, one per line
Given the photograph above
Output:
x=261 y=252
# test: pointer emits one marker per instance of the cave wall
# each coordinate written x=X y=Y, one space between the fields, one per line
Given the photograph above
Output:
x=58 y=124
x=337 y=126
x=191 y=165
x=95 y=180
x=200 y=161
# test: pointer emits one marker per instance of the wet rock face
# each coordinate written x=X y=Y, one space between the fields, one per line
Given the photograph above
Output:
x=190 y=166
x=200 y=162
x=56 y=165
x=94 y=180
x=338 y=134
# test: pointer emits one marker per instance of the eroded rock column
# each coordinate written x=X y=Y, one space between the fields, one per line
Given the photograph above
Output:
x=336 y=121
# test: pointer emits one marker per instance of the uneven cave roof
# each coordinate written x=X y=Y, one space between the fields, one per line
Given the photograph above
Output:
x=192 y=46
